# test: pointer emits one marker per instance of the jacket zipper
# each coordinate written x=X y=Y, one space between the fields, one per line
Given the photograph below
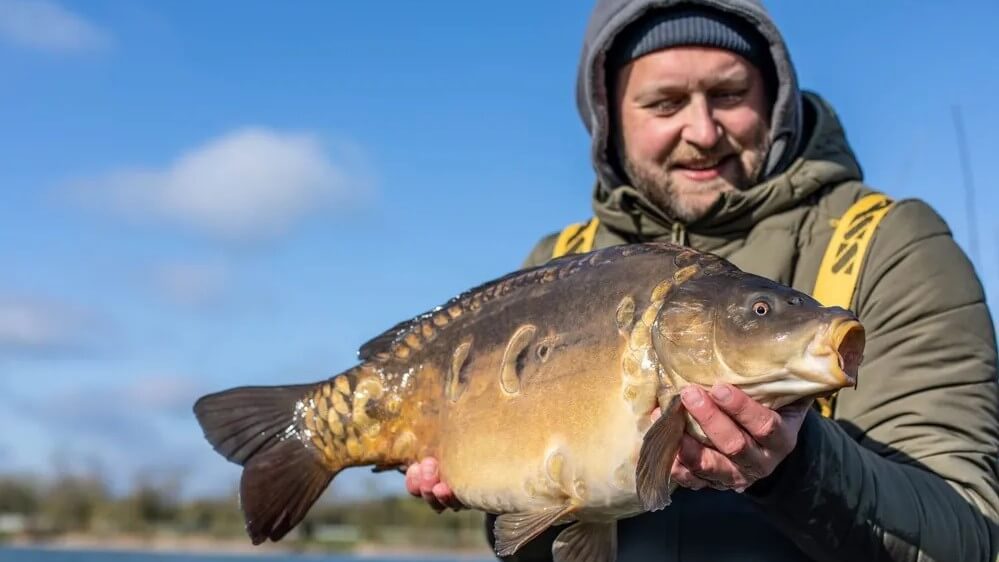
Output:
x=679 y=234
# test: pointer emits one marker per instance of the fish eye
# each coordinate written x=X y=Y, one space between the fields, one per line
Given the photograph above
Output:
x=761 y=308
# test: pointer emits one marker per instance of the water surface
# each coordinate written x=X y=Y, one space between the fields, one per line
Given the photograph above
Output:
x=46 y=555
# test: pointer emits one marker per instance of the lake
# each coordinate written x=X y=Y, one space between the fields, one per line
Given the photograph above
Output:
x=42 y=555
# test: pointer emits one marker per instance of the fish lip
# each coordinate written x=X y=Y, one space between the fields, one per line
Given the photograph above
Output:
x=829 y=363
x=847 y=342
x=832 y=359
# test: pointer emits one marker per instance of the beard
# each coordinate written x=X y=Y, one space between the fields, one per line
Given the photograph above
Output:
x=688 y=201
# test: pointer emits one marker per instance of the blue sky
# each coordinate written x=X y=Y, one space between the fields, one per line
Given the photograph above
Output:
x=204 y=195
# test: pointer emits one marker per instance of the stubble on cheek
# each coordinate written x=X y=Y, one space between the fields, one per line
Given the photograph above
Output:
x=689 y=200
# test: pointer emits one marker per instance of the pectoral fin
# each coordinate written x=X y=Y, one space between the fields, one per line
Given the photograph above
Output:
x=512 y=530
x=659 y=449
x=586 y=542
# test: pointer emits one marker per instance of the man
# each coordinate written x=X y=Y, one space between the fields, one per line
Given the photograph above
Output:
x=701 y=136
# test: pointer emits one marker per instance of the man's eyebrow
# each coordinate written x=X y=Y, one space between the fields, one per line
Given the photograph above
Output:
x=671 y=87
x=735 y=75
x=662 y=87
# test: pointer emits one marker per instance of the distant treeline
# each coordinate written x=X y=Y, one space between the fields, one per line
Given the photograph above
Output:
x=36 y=510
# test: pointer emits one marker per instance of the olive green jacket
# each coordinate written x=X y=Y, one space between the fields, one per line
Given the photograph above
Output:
x=906 y=469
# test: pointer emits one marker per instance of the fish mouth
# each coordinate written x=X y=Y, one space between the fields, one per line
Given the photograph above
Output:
x=848 y=337
x=832 y=360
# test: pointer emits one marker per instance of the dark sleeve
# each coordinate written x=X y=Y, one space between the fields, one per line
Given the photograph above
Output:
x=907 y=471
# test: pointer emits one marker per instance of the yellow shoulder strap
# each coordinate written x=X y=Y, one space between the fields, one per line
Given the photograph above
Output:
x=576 y=238
x=845 y=253
x=844 y=258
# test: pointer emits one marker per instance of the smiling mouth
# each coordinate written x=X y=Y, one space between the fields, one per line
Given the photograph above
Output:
x=702 y=164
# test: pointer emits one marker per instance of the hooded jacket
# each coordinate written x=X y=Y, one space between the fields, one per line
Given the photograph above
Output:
x=906 y=468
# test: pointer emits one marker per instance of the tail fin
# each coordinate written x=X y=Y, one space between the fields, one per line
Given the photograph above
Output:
x=283 y=473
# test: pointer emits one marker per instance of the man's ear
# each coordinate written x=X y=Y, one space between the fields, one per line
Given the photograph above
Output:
x=615 y=87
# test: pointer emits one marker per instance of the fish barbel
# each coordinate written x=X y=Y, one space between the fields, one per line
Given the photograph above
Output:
x=535 y=391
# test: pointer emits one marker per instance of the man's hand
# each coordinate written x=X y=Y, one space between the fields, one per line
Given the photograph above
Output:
x=423 y=481
x=749 y=440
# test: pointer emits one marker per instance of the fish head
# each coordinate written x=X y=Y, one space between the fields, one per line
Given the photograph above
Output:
x=775 y=343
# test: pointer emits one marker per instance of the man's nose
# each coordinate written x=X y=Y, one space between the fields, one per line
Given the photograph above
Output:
x=701 y=129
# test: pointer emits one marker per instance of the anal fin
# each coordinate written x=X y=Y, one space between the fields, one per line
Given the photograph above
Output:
x=512 y=530
x=659 y=449
x=586 y=542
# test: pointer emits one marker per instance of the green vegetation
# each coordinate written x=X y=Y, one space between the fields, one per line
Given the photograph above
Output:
x=37 y=511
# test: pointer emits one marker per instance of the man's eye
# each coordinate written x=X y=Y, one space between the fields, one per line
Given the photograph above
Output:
x=667 y=106
x=731 y=98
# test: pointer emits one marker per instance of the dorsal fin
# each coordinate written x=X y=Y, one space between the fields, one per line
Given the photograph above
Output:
x=382 y=343
x=380 y=348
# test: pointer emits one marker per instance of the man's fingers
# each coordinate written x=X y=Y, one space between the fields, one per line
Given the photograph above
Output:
x=413 y=479
x=428 y=479
x=725 y=434
x=428 y=474
x=760 y=422
x=421 y=478
x=433 y=502
x=423 y=481
x=684 y=477
x=444 y=495
x=691 y=455
x=714 y=468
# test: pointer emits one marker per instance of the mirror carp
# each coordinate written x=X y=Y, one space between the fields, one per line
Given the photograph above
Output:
x=535 y=391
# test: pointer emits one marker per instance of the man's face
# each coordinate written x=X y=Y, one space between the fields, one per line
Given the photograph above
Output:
x=693 y=123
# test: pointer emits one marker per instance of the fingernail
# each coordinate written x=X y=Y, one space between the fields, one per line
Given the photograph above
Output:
x=721 y=392
x=692 y=396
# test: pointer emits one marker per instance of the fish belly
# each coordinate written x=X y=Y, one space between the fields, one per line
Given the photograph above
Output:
x=532 y=452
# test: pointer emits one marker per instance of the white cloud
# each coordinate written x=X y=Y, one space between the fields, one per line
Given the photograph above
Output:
x=35 y=326
x=163 y=393
x=252 y=183
x=190 y=283
x=121 y=428
x=44 y=25
x=126 y=414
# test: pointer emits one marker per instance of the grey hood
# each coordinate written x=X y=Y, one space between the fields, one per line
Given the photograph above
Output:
x=609 y=17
